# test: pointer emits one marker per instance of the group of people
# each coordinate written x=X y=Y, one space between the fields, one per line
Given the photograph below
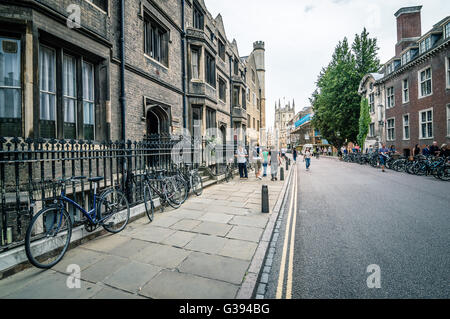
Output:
x=263 y=159
x=432 y=150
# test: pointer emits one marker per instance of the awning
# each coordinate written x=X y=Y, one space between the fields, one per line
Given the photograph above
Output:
x=303 y=120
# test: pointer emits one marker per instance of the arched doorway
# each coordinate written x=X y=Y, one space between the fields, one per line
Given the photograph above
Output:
x=158 y=121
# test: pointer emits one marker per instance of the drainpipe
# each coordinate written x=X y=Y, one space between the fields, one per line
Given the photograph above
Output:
x=122 y=66
x=183 y=59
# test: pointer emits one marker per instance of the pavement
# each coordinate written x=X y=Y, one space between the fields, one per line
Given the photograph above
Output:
x=202 y=250
x=351 y=219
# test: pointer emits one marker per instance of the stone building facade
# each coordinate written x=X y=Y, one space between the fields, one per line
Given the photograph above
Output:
x=61 y=77
x=415 y=86
x=282 y=117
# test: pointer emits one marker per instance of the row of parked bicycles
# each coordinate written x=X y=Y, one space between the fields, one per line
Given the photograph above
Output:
x=420 y=165
x=49 y=232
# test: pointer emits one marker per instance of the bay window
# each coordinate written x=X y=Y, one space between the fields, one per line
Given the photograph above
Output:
x=10 y=87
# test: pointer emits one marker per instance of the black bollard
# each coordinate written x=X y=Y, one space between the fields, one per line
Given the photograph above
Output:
x=265 y=199
x=281 y=174
x=287 y=165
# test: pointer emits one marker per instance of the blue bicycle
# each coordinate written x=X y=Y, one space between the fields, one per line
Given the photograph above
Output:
x=50 y=230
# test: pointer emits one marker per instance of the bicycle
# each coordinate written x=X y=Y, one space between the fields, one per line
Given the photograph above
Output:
x=192 y=179
x=52 y=226
x=229 y=173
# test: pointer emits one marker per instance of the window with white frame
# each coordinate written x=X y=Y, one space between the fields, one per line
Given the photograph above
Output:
x=426 y=124
x=47 y=87
x=195 y=63
x=425 y=45
x=425 y=85
x=447 y=30
x=70 y=96
x=406 y=127
x=405 y=96
x=391 y=129
x=10 y=87
x=406 y=57
x=88 y=101
x=372 y=103
x=372 y=130
x=447 y=65
x=390 y=97
x=448 y=120
x=102 y=4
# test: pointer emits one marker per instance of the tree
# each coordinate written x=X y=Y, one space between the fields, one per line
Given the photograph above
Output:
x=364 y=121
x=335 y=101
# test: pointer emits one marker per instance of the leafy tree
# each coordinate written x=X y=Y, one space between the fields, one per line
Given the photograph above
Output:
x=335 y=101
x=364 y=121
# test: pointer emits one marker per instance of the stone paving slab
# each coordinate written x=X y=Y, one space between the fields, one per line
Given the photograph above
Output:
x=212 y=266
x=239 y=249
x=106 y=243
x=245 y=233
x=111 y=293
x=251 y=221
x=83 y=258
x=179 y=239
x=128 y=248
x=186 y=224
x=210 y=228
x=152 y=234
x=175 y=285
x=216 y=218
x=21 y=280
x=207 y=244
x=184 y=213
x=167 y=221
x=99 y=271
x=132 y=277
x=162 y=255
x=54 y=286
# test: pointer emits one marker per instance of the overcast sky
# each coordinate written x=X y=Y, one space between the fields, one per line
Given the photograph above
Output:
x=300 y=35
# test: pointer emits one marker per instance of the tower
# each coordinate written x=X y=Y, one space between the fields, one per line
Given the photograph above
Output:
x=259 y=54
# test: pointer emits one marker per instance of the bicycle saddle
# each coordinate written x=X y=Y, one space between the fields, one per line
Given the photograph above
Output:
x=95 y=179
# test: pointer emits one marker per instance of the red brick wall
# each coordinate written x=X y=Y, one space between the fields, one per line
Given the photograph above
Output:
x=408 y=26
x=438 y=101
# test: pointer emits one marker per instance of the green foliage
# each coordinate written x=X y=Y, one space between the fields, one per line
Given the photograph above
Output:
x=364 y=121
x=335 y=101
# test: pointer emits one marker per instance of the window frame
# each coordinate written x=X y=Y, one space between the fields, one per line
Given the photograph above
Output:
x=159 y=35
x=221 y=49
x=371 y=129
x=406 y=126
x=54 y=94
x=448 y=120
x=447 y=30
x=89 y=101
x=424 y=48
x=68 y=97
x=390 y=97
x=222 y=89
x=198 y=16
x=198 y=51
x=447 y=72
x=388 y=128
x=405 y=91
x=96 y=6
x=372 y=103
x=426 y=122
x=419 y=80
x=210 y=69
x=20 y=46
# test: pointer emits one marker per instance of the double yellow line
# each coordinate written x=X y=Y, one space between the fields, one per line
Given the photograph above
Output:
x=293 y=218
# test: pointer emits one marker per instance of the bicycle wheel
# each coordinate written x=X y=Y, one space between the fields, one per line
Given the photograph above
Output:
x=48 y=237
x=444 y=173
x=169 y=190
x=180 y=193
x=114 y=211
x=197 y=184
x=148 y=202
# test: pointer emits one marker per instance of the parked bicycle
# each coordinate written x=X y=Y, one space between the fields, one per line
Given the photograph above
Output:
x=49 y=233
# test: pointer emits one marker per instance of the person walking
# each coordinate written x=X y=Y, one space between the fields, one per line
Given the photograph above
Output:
x=265 y=161
x=275 y=160
x=241 y=155
x=295 y=155
x=257 y=157
x=383 y=152
x=307 y=157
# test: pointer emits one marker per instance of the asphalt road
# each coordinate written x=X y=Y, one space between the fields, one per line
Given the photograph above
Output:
x=349 y=217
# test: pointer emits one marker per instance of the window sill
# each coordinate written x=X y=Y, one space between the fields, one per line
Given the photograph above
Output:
x=97 y=7
x=156 y=61
x=424 y=96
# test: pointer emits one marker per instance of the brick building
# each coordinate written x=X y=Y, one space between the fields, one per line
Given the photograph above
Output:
x=63 y=80
x=415 y=86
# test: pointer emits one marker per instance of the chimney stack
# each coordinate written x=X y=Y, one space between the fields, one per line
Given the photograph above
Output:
x=409 y=27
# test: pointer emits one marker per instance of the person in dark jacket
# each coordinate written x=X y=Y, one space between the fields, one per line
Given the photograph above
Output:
x=445 y=151
x=425 y=151
x=434 y=149
x=416 y=150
